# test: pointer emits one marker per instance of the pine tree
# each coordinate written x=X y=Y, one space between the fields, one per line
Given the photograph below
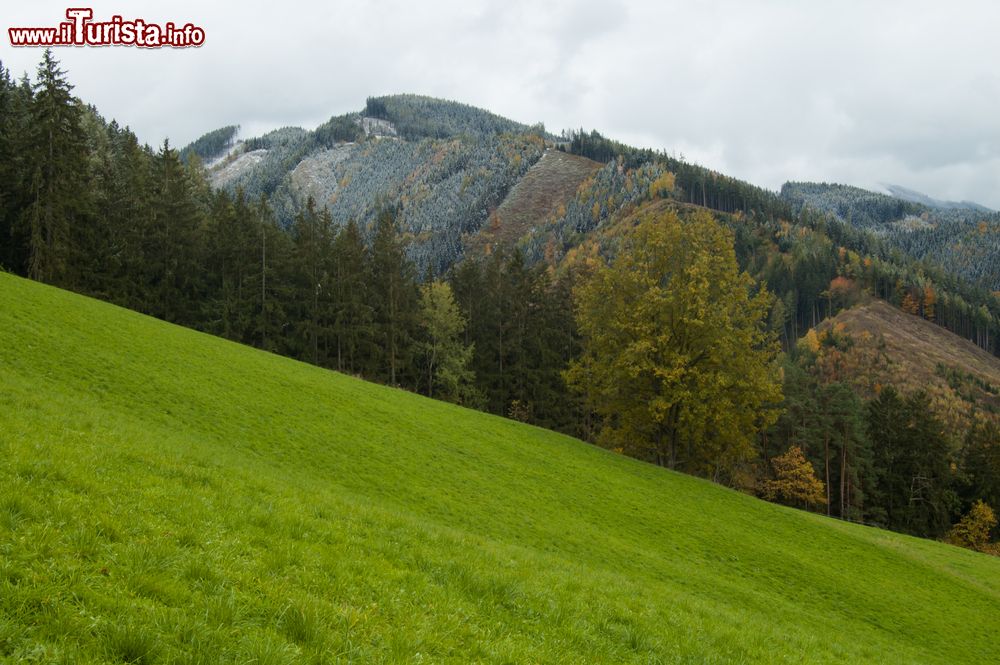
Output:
x=551 y=346
x=312 y=234
x=847 y=451
x=129 y=217
x=232 y=264
x=981 y=463
x=57 y=163
x=171 y=243
x=395 y=300
x=15 y=106
x=911 y=454
x=352 y=325
x=274 y=283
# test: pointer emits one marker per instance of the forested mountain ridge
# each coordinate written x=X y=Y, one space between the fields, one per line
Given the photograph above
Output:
x=446 y=170
x=444 y=167
x=964 y=237
x=919 y=197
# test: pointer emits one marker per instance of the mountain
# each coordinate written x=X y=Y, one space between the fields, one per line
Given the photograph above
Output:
x=963 y=239
x=445 y=167
x=452 y=172
x=167 y=496
x=456 y=174
x=901 y=192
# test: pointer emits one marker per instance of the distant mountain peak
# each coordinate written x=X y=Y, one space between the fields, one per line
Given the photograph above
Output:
x=907 y=194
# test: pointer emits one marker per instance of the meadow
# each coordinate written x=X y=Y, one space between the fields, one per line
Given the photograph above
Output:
x=170 y=497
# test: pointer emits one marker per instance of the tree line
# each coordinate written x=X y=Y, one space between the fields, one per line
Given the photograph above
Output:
x=880 y=457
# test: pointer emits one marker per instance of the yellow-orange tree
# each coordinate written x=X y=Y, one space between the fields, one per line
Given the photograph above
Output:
x=677 y=361
x=795 y=482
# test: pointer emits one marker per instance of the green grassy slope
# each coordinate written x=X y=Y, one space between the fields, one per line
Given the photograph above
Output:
x=169 y=497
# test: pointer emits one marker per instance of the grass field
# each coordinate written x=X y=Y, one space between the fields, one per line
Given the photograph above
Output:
x=167 y=497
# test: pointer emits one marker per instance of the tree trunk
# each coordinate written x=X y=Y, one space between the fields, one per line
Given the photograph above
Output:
x=843 y=476
x=826 y=469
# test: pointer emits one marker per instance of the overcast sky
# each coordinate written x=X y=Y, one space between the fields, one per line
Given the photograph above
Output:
x=856 y=92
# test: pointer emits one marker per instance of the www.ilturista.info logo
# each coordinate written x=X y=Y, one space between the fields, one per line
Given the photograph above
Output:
x=80 y=30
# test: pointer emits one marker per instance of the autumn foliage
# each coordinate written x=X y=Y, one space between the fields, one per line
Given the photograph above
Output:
x=795 y=482
x=677 y=363
x=973 y=531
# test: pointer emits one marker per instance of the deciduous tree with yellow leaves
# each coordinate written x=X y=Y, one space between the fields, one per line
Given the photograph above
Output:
x=677 y=361
x=795 y=482
x=973 y=531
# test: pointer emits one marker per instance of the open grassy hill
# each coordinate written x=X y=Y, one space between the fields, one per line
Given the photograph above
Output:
x=166 y=496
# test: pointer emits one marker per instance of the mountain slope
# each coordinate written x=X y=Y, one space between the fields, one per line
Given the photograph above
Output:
x=963 y=239
x=919 y=197
x=166 y=496
x=442 y=184
x=916 y=354
x=540 y=196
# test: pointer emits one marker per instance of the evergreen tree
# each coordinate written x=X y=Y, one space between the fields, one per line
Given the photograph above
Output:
x=491 y=332
x=981 y=464
x=847 y=451
x=274 y=283
x=15 y=106
x=911 y=453
x=232 y=263
x=394 y=297
x=467 y=285
x=552 y=343
x=312 y=234
x=57 y=166
x=171 y=243
x=352 y=325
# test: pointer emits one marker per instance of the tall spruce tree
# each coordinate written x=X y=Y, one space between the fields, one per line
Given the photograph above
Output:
x=58 y=197
x=911 y=453
x=15 y=106
x=981 y=464
x=312 y=233
x=394 y=297
x=352 y=323
x=172 y=244
x=847 y=452
x=232 y=264
x=273 y=281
